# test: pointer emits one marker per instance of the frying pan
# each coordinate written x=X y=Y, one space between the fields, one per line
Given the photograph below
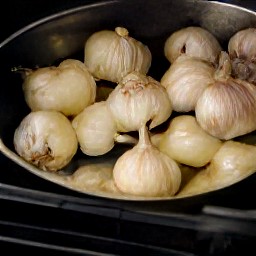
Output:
x=63 y=35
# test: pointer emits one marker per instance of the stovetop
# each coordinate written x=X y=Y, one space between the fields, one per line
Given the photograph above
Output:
x=39 y=216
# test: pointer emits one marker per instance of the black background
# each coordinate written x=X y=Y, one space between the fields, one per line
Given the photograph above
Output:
x=15 y=14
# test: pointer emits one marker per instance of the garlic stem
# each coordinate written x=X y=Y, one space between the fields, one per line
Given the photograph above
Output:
x=224 y=68
x=122 y=31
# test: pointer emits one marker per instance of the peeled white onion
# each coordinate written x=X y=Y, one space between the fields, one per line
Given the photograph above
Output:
x=187 y=143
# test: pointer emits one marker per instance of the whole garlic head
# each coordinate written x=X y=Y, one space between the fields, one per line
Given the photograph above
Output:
x=68 y=88
x=242 y=44
x=46 y=139
x=187 y=143
x=138 y=99
x=227 y=108
x=185 y=81
x=241 y=48
x=145 y=171
x=110 y=55
x=192 y=41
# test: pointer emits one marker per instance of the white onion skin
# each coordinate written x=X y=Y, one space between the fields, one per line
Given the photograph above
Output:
x=110 y=55
x=68 y=88
x=194 y=42
x=185 y=81
x=46 y=139
x=95 y=129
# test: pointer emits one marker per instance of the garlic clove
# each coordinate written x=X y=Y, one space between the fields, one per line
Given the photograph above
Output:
x=227 y=108
x=46 y=139
x=138 y=99
x=110 y=55
x=185 y=81
x=68 y=88
x=192 y=41
x=187 y=143
x=145 y=171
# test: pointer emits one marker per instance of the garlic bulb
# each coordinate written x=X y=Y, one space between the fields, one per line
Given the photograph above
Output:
x=46 y=139
x=68 y=88
x=241 y=48
x=110 y=55
x=96 y=130
x=233 y=162
x=187 y=143
x=227 y=108
x=185 y=81
x=145 y=171
x=138 y=99
x=192 y=41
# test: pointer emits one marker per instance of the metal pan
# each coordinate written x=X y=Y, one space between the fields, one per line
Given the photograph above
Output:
x=63 y=35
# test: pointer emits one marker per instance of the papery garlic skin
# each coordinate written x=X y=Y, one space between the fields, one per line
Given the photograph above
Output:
x=67 y=88
x=95 y=129
x=233 y=162
x=110 y=55
x=241 y=48
x=46 y=139
x=138 y=99
x=145 y=171
x=192 y=41
x=185 y=81
x=242 y=44
x=227 y=108
x=187 y=143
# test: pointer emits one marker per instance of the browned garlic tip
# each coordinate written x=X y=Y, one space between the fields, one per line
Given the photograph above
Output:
x=138 y=99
